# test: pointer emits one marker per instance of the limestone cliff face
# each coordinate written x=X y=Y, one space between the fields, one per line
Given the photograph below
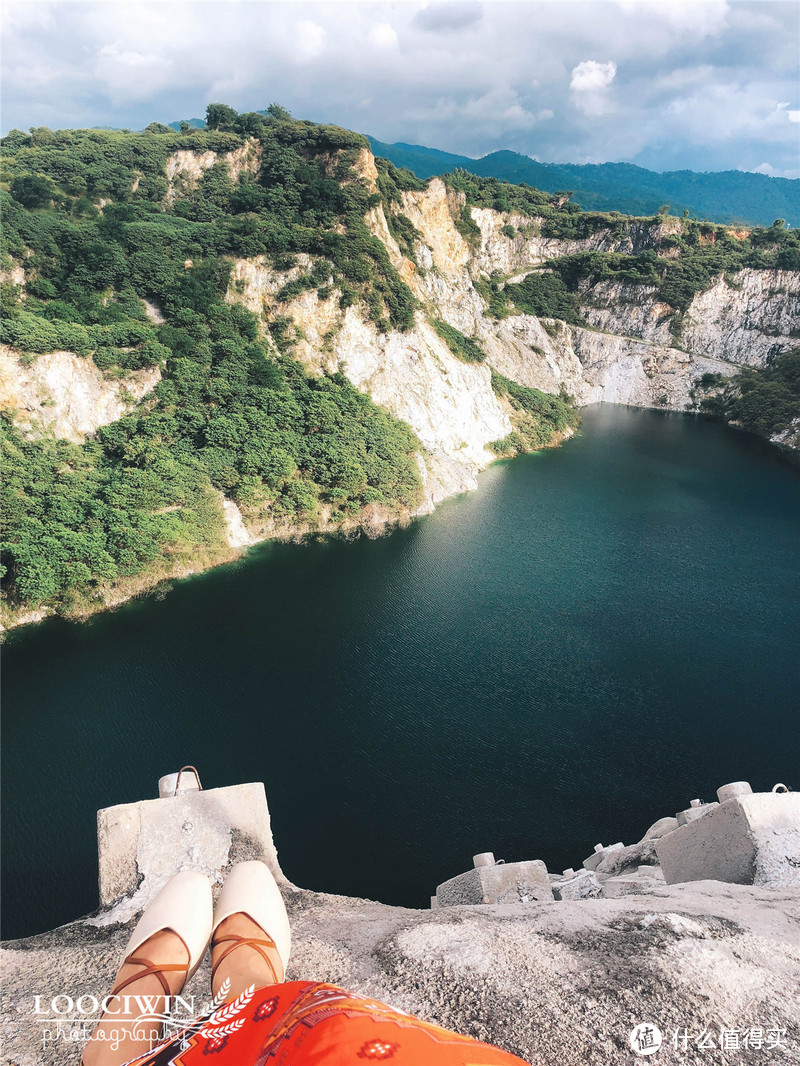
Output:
x=451 y=405
x=596 y=367
x=747 y=318
x=185 y=167
x=66 y=395
x=750 y=318
x=635 y=351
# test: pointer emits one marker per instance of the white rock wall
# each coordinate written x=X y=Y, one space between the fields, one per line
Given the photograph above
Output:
x=746 y=319
x=630 y=355
x=67 y=395
x=186 y=167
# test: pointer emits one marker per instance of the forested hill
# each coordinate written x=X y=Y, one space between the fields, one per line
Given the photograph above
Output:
x=93 y=227
x=729 y=196
x=271 y=280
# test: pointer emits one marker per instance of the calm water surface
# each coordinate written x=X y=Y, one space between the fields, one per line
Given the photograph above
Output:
x=597 y=635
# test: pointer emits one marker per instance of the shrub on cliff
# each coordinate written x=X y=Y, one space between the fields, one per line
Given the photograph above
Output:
x=545 y=294
x=765 y=401
x=467 y=349
x=538 y=417
x=227 y=415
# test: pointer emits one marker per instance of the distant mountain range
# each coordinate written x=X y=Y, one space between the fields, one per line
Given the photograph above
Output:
x=195 y=123
x=728 y=196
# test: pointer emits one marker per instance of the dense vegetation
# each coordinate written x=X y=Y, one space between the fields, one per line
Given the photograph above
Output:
x=304 y=198
x=555 y=216
x=732 y=197
x=765 y=401
x=467 y=349
x=690 y=257
x=537 y=416
x=704 y=251
x=87 y=214
x=544 y=294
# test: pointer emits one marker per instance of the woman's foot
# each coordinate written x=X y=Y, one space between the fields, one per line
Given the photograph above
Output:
x=130 y=1025
x=166 y=946
x=244 y=964
x=251 y=939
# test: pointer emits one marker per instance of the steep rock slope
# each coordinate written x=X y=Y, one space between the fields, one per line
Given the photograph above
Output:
x=450 y=405
x=633 y=351
x=746 y=318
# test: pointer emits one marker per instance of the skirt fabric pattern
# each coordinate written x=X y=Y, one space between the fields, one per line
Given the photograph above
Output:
x=303 y=1023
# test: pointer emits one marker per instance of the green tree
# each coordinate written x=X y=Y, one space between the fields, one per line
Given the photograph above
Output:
x=33 y=190
x=220 y=117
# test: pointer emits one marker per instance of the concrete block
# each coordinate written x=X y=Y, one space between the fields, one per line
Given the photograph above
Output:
x=581 y=885
x=750 y=838
x=626 y=885
x=486 y=858
x=695 y=811
x=600 y=853
x=513 y=882
x=653 y=873
x=185 y=780
x=141 y=845
x=619 y=861
x=734 y=789
x=660 y=829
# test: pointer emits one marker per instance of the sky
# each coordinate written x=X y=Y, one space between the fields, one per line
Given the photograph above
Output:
x=666 y=84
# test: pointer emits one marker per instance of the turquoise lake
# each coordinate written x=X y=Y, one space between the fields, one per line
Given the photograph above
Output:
x=599 y=634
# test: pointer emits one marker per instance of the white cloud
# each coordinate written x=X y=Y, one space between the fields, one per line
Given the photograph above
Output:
x=770 y=171
x=591 y=76
x=794 y=116
x=692 y=84
x=589 y=83
x=310 y=40
x=383 y=35
x=696 y=17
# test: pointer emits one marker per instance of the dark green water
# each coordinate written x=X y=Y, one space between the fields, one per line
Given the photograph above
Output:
x=596 y=636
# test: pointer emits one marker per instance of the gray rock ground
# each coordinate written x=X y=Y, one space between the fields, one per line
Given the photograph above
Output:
x=559 y=982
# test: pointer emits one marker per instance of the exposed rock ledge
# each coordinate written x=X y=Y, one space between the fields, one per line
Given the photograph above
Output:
x=66 y=395
x=558 y=981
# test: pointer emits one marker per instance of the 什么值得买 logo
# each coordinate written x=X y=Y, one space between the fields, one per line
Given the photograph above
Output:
x=645 y=1038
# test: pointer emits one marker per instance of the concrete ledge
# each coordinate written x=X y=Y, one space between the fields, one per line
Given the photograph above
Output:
x=141 y=845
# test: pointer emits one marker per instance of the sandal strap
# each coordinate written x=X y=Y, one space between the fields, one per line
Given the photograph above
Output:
x=256 y=943
x=157 y=970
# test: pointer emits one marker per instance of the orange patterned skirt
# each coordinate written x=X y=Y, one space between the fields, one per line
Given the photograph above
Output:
x=303 y=1023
